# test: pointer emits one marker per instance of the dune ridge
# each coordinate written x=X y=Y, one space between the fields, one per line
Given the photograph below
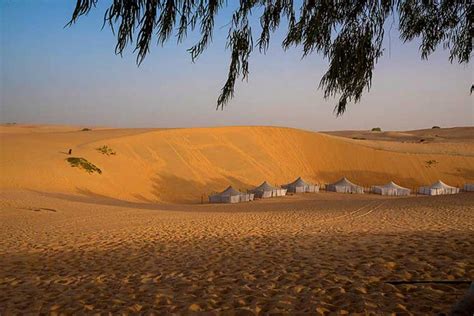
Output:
x=182 y=165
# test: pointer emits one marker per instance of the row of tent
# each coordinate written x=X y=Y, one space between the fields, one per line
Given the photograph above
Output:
x=265 y=190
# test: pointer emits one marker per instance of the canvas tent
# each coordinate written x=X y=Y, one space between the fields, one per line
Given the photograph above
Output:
x=391 y=188
x=345 y=186
x=266 y=190
x=300 y=186
x=469 y=187
x=230 y=195
x=438 y=188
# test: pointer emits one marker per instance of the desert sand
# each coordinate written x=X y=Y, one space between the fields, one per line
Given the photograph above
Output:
x=317 y=253
x=182 y=165
x=135 y=239
x=451 y=141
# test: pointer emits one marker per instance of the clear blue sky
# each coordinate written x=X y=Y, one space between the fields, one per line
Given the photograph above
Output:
x=51 y=74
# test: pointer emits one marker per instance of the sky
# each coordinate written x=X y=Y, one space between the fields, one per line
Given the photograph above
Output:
x=56 y=75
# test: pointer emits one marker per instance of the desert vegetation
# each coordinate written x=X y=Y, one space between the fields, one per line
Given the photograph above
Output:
x=82 y=163
x=106 y=150
x=431 y=163
x=376 y=129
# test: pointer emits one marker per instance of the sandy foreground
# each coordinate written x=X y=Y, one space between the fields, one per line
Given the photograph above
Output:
x=316 y=253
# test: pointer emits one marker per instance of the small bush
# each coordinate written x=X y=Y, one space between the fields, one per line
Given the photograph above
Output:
x=435 y=127
x=431 y=163
x=82 y=163
x=376 y=129
x=106 y=150
x=86 y=129
x=359 y=138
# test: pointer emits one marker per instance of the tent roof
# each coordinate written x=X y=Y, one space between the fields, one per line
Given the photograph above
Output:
x=391 y=185
x=230 y=191
x=298 y=183
x=265 y=187
x=345 y=182
x=440 y=185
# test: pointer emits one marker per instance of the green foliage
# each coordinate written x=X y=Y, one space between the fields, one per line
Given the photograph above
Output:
x=82 y=163
x=376 y=129
x=86 y=129
x=359 y=138
x=348 y=33
x=435 y=127
x=106 y=150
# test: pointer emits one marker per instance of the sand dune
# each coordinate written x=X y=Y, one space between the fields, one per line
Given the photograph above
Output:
x=79 y=243
x=439 y=135
x=181 y=165
x=446 y=141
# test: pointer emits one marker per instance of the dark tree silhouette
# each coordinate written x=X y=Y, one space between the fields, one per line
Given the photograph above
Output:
x=348 y=33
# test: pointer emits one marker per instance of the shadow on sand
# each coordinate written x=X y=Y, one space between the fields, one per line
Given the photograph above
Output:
x=175 y=191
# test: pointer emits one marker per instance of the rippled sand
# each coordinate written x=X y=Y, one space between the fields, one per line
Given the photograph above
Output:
x=316 y=253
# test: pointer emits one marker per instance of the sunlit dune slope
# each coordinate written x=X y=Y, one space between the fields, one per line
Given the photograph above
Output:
x=181 y=165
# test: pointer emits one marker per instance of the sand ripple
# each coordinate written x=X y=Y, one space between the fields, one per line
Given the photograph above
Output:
x=316 y=255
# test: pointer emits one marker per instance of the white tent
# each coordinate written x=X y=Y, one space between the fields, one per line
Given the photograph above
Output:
x=299 y=186
x=438 y=188
x=345 y=186
x=266 y=190
x=391 y=188
x=230 y=195
x=469 y=187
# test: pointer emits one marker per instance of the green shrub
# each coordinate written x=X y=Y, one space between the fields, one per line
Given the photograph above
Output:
x=376 y=129
x=359 y=138
x=86 y=129
x=82 y=163
x=436 y=126
x=106 y=150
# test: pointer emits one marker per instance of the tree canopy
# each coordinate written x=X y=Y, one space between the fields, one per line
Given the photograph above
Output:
x=348 y=33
